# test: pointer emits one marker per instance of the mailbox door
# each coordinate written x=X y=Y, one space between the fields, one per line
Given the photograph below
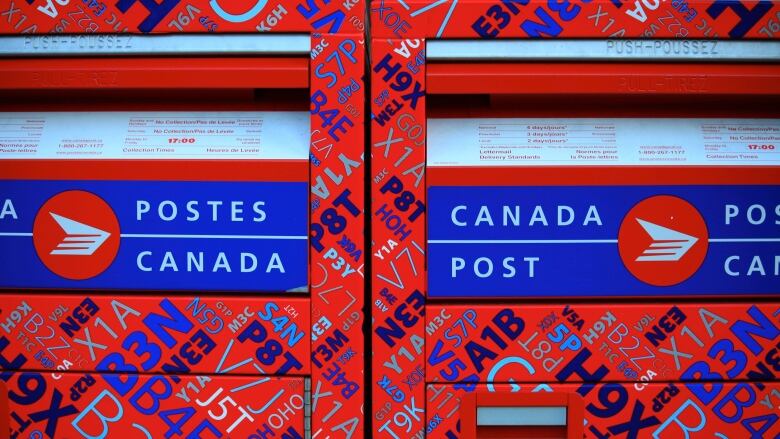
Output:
x=245 y=74
x=430 y=89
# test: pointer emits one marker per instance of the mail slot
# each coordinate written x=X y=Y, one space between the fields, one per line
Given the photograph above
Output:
x=538 y=415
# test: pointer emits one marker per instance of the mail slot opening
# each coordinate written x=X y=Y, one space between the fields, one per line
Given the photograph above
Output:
x=521 y=422
x=512 y=415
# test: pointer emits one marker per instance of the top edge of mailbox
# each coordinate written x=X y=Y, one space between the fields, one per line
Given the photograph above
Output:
x=122 y=135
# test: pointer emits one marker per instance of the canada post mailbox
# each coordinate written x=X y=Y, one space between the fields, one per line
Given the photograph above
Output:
x=540 y=207
x=155 y=200
x=171 y=174
x=565 y=196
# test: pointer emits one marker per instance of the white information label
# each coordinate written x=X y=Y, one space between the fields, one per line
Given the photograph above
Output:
x=269 y=135
x=600 y=142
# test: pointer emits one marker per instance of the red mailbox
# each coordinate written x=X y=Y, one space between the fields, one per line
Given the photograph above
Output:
x=165 y=169
x=521 y=182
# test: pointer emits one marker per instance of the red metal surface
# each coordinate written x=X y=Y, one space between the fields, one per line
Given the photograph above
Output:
x=603 y=176
x=154 y=73
x=336 y=237
x=157 y=170
x=5 y=417
x=602 y=79
x=521 y=433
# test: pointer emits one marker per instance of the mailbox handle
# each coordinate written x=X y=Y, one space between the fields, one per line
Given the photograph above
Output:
x=612 y=50
x=127 y=45
x=504 y=409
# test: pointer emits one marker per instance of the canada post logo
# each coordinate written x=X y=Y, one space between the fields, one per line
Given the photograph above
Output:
x=76 y=235
x=663 y=240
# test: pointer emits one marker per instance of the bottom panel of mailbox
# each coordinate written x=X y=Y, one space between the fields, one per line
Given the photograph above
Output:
x=94 y=405
x=644 y=343
x=620 y=410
